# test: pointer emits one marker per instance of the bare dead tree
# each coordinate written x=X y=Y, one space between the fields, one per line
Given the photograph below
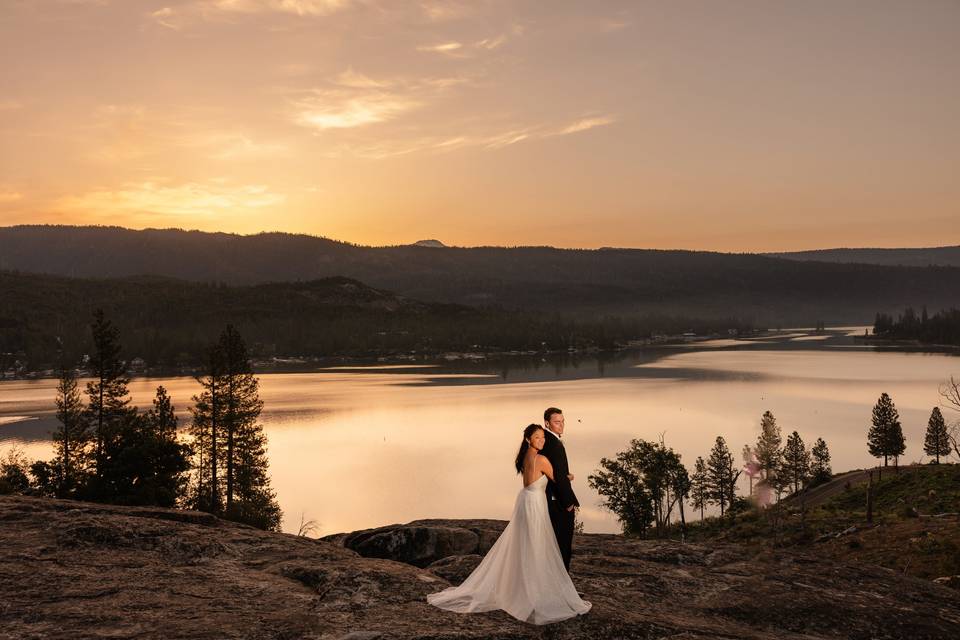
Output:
x=950 y=392
x=306 y=526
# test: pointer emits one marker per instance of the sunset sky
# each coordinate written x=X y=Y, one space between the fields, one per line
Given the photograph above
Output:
x=721 y=124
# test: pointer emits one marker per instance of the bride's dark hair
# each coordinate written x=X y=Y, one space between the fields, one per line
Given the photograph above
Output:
x=529 y=431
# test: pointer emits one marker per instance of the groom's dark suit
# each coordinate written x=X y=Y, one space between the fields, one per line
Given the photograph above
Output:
x=560 y=495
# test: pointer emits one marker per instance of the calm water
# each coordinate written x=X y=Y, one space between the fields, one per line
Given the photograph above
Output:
x=354 y=448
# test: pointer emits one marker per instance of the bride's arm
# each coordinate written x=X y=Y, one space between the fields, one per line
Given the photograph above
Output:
x=545 y=466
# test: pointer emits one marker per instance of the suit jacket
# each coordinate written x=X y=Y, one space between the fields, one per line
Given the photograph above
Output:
x=560 y=488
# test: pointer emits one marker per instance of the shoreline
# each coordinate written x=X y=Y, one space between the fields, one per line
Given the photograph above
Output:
x=316 y=364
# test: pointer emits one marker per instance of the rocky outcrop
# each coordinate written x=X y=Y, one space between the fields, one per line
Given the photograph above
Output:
x=80 y=570
x=423 y=542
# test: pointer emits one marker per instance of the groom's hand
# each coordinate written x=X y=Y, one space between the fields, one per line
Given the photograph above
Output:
x=571 y=507
x=570 y=477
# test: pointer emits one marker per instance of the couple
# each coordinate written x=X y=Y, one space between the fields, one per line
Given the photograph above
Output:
x=525 y=572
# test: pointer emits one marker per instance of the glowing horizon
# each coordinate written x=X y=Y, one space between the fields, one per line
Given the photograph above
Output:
x=752 y=127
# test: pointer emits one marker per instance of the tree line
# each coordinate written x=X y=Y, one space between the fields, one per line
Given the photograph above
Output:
x=943 y=327
x=105 y=450
x=644 y=484
x=333 y=317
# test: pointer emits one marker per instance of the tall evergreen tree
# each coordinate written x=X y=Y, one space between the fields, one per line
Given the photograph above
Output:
x=242 y=406
x=721 y=475
x=768 y=445
x=206 y=428
x=937 y=440
x=699 y=491
x=885 y=437
x=72 y=438
x=229 y=442
x=108 y=407
x=796 y=461
x=820 y=470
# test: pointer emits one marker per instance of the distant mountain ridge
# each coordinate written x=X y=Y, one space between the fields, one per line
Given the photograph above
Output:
x=917 y=257
x=758 y=288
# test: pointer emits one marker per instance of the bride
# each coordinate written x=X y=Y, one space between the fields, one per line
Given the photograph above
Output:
x=523 y=572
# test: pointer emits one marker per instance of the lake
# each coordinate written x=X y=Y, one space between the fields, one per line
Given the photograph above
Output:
x=358 y=447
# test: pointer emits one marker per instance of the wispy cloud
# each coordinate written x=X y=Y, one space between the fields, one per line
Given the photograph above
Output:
x=334 y=109
x=443 y=47
x=297 y=7
x=10 y=105
x=166 y=17
x=457 y=49
x=352 y=99
x=351 y=78
x=492 y=140
x=584 y=124
x=506 y=139
x=490 y=43
x=201 y=10
x=191 y=199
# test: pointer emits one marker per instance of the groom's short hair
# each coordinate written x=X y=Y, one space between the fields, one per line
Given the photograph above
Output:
x=549 y=412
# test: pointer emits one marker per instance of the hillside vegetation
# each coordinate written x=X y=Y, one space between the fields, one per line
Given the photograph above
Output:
x=170 y=322
x=760 y=289
x=915 y=528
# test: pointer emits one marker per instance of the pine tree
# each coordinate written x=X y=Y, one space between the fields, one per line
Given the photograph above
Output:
x=937 y=441
x=242 y=406
x=108 y=407
x=699 y=491
x=721 y=479
x=897 y=443
x=885 y=437
x=768 y=444
x=231 y=467
x=147 y=463
x=72 y=438
x=820 y=470
x=796 y=461
x=205 y=430
x=163 y=417
x=166 y=459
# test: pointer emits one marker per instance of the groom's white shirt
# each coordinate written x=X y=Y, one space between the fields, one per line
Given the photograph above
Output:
x=547 y=429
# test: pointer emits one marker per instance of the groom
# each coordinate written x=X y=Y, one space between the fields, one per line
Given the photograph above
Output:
x=560 y=497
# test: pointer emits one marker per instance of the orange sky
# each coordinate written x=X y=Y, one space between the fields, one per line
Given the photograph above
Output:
x=736 y=126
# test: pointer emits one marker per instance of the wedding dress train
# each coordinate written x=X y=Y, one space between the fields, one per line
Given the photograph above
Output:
x=523 y=572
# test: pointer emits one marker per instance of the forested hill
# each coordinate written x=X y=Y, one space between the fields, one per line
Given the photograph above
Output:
x=760 y=289
x=920 y=257
x=171 y=322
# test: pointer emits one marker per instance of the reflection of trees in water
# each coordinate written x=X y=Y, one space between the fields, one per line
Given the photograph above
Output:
x=549 y=366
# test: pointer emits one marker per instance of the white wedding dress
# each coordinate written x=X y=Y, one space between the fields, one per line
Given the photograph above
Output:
x=523 y=572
